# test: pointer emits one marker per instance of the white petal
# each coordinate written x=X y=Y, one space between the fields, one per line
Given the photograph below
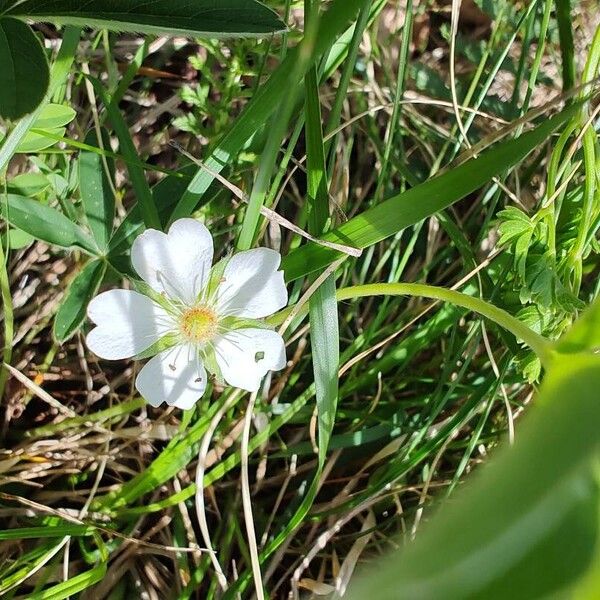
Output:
x=127 y=323
x=175 y=376
x=252 y=286
x=239 y=357
x=177 y=263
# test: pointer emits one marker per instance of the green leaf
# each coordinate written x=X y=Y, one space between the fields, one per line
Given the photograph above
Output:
x=129 y=152
x=323 y=313
x=526 y=526
x=72 y=586
x=422 y=201
x=44 y=223
x=19 y=239
x=28 y=184
x=206 y=18
x=97 y=194
x=514 y=223
x=36 y=533
x=37 y=140
x=60 y=71
x=25 y=74
x=54 y=116
x=72 y=311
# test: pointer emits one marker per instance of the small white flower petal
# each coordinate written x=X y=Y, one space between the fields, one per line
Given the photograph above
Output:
x=178 y=262
x=245 y=356
x=127 y=323
x=252 y=287
x=175 y=376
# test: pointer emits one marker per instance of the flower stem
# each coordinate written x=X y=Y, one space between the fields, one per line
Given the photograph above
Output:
x=539 y=344
x=7 y=308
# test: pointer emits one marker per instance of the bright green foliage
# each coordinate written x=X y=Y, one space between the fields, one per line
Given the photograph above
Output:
x=405 y=209
x=24 y=74
x=227 y=18
x=584 y=336
x=44 y=223
x=406 y=365
x=47 y=128
x=527 y=526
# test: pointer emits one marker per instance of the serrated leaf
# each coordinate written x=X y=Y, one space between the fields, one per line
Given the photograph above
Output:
x=24 y=74
x=97 y=195
x=514 y=223
x=522 y=246
x=540 y=279
x=201 y=18
x=44 y=223
x=72 y=311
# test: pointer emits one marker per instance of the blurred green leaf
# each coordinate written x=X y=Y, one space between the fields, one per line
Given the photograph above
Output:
x=19 y=239
x=584 y=336
x=72 y=311
x=225 y=18
x=97 y=194
x=25 y=74
x=36 y=533
x=44 y=223
x=526 y=526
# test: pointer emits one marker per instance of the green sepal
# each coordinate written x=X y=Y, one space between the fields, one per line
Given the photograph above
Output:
x=210 y=364
x=160 y=299
x=214 y=280
x=165 y=343
x=233 y=323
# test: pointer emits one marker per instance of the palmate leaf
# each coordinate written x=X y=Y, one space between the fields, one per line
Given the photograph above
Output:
x=211 y=18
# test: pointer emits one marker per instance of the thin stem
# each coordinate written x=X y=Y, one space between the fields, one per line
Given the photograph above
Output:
x=398 y=97
x=536 y=342
x=7 y=308
x=247 y=501
x=200 y=471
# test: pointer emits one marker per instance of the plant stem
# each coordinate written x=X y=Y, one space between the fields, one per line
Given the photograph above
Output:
x=7 y=308
x=539 y=344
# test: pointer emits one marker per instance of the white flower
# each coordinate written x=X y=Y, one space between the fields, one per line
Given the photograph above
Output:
x=193 y=318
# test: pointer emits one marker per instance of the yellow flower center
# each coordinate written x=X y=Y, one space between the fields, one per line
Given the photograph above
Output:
x=199 y=324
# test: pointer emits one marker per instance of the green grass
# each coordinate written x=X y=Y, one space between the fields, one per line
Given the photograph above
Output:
x=397 y=388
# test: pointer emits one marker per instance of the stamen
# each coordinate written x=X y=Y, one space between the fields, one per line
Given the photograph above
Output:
x=198 y=324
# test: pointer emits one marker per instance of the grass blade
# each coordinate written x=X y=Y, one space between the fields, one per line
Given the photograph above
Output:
x=422 y=201
x=264 y=104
